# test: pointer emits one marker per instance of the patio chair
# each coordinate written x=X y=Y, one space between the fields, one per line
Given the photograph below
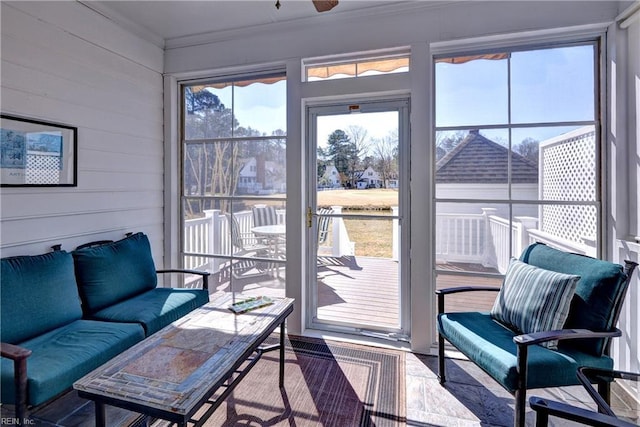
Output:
x=244 y=247
x=567 y=303
x=323 y=224
x=264 y=215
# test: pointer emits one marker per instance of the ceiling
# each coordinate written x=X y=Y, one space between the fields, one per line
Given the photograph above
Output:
x=174 y=22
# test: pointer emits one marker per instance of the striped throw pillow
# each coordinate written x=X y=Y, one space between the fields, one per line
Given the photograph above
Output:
x=533 y=299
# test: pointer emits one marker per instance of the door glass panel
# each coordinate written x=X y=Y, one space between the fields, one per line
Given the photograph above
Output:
x=356 y=222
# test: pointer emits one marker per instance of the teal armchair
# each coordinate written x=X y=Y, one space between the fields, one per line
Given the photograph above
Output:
x=585 y=316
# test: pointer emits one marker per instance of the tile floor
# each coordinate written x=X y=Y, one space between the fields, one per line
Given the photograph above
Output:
x=469 y=398
x=472 y=398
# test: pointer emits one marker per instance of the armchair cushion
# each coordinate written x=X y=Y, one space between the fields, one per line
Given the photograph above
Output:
x=598 y=293
x=39 y=293
x=498 y=353
x=533 y=299
x=115 y=271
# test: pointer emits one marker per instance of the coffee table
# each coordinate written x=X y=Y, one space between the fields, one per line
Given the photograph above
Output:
x=174 y=372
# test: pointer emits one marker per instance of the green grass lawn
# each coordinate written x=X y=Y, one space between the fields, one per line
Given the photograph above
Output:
x=373 y=237
x=378 y=198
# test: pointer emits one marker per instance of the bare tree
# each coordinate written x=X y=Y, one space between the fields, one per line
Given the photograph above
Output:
x=359 y=137
x=447 y=141
x=385 y=150
x=528 y=148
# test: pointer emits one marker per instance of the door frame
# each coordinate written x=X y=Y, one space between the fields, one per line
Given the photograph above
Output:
x=342 y=107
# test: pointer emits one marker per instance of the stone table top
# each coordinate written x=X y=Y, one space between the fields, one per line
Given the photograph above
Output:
x=176 y=368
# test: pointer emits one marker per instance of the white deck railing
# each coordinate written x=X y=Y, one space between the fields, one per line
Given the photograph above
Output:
x=491 y=240
x=210 y=235
x=460 y=237
x=485 y=238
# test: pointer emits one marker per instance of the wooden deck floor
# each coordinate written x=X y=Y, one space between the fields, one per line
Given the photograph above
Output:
x=361 y=291
x=364 y=291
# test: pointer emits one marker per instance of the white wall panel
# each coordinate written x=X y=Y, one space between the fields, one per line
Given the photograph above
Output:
x=64 y=63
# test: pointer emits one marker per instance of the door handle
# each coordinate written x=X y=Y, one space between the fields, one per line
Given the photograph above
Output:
x=309 y=217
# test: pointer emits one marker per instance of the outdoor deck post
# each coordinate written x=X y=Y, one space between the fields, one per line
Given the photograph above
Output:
x=526 y=223
x=341 y=245
x=214 y=236
x=394 y=232
x=488 y=248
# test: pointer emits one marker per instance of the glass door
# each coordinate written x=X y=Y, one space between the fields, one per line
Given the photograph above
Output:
x=356 y=214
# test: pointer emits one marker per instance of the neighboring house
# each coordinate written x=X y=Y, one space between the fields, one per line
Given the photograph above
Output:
x=369 y=178
x=477 y=168
x=259 y=176
x=331 y=178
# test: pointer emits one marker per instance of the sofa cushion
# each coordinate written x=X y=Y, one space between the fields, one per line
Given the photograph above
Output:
x=112 y=272
x=156 y=308
x=39 y=293
x=601 y=287
x=64 y=355
x=532 y=299
x=490 y=345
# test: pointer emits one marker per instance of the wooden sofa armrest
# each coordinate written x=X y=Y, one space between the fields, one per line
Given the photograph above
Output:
x=14 y=352
x=448 y=291
x=562 y=334
x=19 y=356
x=544 y=408
x=205 y=274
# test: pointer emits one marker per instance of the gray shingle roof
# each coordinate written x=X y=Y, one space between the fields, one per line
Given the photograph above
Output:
x=477 y=159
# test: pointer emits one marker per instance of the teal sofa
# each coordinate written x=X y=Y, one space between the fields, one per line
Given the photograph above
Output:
x=519 y=361
x=64 y=314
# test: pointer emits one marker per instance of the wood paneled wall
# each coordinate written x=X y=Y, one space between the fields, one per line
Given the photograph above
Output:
x=64 y=63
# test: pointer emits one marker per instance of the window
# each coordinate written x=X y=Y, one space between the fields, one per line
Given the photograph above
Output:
x=233 y=167
x=516 y=156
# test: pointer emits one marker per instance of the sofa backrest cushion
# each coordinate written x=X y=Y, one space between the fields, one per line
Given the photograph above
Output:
x=37 y=294
x=598 y=294
x=112 y=272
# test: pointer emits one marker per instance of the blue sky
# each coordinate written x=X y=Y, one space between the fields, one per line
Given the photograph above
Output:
x=547 y=85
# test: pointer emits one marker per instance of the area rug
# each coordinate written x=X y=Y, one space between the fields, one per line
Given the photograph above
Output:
x=327 y=383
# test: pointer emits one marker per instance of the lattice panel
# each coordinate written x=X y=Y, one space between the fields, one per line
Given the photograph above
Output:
x=569 y=169
x=570 y=222
x=569 y=173
x=43 y=169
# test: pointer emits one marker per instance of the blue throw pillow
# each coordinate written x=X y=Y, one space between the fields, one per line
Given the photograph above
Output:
x=533 y=299
x=113 y=272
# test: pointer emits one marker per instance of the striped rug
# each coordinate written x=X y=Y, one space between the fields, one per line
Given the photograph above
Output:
x=327 y=383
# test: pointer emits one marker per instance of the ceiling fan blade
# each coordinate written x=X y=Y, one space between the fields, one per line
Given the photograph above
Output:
x=324 y=5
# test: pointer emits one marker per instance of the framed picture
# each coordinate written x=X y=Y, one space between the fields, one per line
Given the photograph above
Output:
x=34 y=153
